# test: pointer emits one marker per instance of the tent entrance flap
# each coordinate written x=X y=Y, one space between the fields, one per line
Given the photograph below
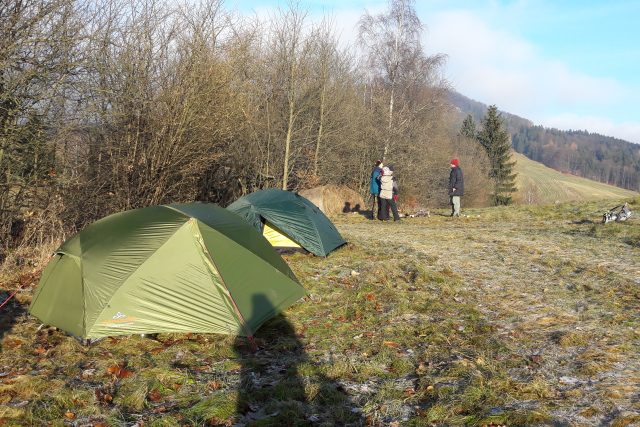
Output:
x=276 y=237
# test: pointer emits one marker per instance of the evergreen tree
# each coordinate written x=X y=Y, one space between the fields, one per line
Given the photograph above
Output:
x=495 y=139
x=468 y=128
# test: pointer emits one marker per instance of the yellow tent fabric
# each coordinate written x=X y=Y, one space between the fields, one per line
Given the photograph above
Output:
x=276 y=237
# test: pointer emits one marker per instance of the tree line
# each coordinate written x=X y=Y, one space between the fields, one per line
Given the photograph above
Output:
x=601 y=158
x=109 y=105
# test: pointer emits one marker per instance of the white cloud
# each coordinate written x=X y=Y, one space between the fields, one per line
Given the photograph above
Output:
x=495 y=66
x=507 y=70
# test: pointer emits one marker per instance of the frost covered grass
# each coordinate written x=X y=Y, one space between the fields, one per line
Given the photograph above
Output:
x=516 y=316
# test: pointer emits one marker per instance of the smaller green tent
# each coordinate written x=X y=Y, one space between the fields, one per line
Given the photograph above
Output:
x=175 y=268
x=284 y=216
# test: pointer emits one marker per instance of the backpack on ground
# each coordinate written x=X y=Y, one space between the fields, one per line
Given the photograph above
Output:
x=619 y=213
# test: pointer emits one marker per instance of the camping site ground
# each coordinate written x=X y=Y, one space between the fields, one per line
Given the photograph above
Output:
x=517 y=316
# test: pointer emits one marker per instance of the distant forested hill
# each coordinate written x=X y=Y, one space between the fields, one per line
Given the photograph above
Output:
x=589 y=155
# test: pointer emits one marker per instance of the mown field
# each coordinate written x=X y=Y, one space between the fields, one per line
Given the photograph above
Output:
x=507 y=316
x=538 y=184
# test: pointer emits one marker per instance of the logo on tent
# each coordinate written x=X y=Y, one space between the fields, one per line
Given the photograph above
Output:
x=119 y=320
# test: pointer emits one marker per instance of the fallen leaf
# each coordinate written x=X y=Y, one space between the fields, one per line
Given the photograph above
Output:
x=69 y=415
x=214 y=385
x=113 y=370
x=103 y=396
x=124 y=373
x=154 y=396
x=391 y=344
x=119 y=371
x=371 y=297
x=12 y=342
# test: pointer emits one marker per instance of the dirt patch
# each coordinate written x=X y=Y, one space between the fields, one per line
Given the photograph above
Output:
x=333 y=199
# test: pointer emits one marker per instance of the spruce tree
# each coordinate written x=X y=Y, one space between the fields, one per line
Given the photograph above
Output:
x=495 y=139
x=468 y=128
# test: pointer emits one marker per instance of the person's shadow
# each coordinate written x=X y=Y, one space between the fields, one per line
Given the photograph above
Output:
x=10 y=313
x=355 y=209
x=280 y=385
x=348 y=209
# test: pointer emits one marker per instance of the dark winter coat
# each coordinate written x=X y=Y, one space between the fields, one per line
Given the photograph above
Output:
x=456 y=181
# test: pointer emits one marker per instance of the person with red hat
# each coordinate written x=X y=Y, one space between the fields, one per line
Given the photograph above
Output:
x=456 y=187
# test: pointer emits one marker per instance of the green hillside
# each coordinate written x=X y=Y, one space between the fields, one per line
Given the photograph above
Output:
x=539 y=184
x=598 y=157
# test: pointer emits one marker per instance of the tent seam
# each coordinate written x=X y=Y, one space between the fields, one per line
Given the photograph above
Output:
x=235 y=305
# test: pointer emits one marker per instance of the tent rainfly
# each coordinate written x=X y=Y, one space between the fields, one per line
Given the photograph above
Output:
x=287 y=220
x=172 y=268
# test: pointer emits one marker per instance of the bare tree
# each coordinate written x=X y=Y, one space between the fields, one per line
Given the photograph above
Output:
x=38 y=41
x=405 y=85
x=396 y=59
x=290 y=48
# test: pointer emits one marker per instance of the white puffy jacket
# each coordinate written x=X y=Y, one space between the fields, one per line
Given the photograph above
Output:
x=386 y=186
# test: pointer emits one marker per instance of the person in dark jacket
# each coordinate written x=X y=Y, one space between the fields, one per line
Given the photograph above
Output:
x=456 y=187
x=375 y=187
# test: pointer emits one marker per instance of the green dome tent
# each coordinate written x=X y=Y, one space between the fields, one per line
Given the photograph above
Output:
x=174 y=268
x=287 y=219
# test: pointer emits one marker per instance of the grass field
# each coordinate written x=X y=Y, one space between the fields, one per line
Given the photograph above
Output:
x=538 y=184
x=507 y=316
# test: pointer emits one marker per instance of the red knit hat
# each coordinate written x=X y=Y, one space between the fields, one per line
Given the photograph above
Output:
x=454 y=162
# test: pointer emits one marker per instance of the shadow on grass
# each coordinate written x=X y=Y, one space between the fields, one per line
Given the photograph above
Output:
x=582 y=221
x=9 y=314
x=281 y=386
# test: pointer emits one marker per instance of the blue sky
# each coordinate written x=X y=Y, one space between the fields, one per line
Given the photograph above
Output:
x=568 y=64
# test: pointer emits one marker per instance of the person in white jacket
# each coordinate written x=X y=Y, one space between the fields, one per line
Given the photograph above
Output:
x=386 y=195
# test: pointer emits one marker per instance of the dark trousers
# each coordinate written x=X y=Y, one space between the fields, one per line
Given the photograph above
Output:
x=383 y=213
x=375 y=200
